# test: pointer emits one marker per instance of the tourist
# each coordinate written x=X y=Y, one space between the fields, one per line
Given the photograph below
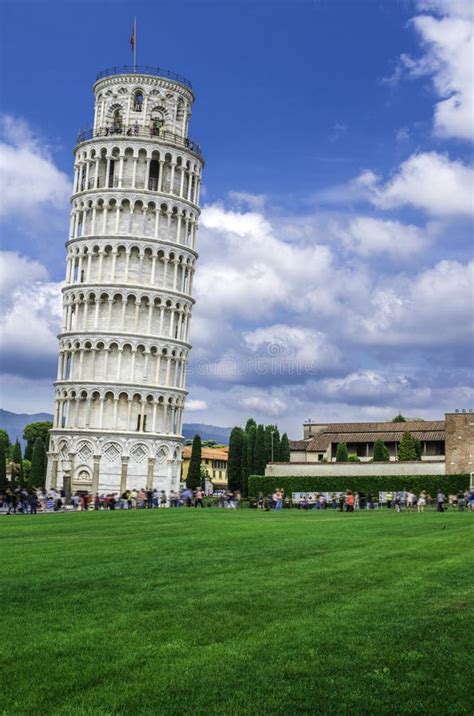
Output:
x=350 y=501
x=163 y=499
x=461 y=502
x=33 y=501
x=421 y=502
x=260 y=501
x=173 y=499
x=389 y=500
x=440 y=500
x=97 y=504
x=230 y=501
x=198 y=498
x=341 y=501
x=470 y=501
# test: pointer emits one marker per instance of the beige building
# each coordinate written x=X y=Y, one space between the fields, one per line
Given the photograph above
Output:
x=447 y=447
x=214 y=460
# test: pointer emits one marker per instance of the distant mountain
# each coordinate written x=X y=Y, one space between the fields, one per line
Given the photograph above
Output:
x=207 y=432
x=14 y=424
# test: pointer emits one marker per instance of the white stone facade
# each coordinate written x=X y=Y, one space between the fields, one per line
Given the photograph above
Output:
x=127 y=298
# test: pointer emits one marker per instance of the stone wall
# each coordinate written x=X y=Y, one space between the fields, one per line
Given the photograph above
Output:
x=459 y=442
x=354 y=469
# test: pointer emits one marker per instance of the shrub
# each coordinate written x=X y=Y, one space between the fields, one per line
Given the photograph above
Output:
x=341 y=453
x=380 y=451
x=353 y=458
x=370 y=484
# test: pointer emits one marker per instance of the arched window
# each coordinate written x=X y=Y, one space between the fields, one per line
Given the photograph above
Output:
x=154 y=175
x=137 y=100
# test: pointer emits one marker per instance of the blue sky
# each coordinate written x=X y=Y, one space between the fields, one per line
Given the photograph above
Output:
x=335 y=277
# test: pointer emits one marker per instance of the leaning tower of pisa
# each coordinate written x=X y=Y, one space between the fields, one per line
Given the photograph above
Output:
x=127 y=297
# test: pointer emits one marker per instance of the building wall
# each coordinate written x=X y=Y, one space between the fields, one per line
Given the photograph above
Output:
x=459 y=442
x=287 y=469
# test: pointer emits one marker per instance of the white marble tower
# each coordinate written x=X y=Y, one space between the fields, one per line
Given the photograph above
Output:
x=124 y=346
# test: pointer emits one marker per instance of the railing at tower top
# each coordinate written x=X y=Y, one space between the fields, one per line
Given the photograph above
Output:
x=140 y=132
x=143 y=70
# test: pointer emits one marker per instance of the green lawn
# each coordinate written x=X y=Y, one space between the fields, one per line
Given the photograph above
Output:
x=216 y=612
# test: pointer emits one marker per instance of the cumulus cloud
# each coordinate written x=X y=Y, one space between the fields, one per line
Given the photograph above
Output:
x=433 y=308
x=427 y=180
x=31 y=317
x=195 y=405
x=368 y=236
x=268 y=405
x=28 y=175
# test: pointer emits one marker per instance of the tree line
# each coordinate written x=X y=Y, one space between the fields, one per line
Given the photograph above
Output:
x=28 y=469
x=250 y=450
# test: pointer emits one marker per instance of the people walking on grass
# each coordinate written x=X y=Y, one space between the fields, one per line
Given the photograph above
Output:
x=278 y=496
x=198 y=498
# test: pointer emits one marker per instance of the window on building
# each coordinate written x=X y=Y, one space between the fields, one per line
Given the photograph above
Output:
x=138 y=101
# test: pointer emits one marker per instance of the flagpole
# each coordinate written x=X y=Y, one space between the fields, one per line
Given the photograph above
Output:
x=135 y=44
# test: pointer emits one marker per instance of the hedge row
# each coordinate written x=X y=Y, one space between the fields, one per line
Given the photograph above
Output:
x=370 y=484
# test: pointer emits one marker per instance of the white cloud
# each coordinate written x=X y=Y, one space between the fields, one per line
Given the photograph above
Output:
x=434 y=308
x=31 y=314
x=449 y=49
x=429 y=181
x=28 y=175
x=193 y=406
x=366 y=236
x=293 y=349
x=268 y=405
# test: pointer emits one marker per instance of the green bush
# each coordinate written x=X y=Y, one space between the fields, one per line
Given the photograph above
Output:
x=370 y=484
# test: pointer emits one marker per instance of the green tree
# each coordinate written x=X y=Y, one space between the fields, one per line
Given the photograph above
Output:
x=251 y=436
x=249 y=424
x=3 y=466
x=269 y=441
x=245 y=474
x=407 y=448
x=234 y=463
x=399 y=419
x=37 y=473
x=341 y=453
x=5 y=440
x=17 y=467
x=33 y=431
x=417 y=448
x=193 y=480
x=381 y=453
x=26 y=467
x=353 y=457
x=284 y=448
x=259 y=452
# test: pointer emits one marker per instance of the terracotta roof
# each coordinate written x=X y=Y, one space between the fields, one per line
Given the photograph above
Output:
x=207 y=453
x=369 y=432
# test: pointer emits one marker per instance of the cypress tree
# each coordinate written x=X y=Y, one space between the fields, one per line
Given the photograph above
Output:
x=17 y=467
x=407 y=448
x=234 y=464
x=193 y=479
x=37 y=473
x=259 y=453
x=341 y=453
x=284 y=448
x=251 y=436
x=269 y=429
x=250 y=424
x=3 y=466
x=276 y=445
x=245 y=474
x=380 y=451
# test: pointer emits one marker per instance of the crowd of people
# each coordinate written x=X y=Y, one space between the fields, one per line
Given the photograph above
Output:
x=22 y=501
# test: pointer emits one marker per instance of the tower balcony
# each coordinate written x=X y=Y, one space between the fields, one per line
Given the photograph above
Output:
x=144 y=70
x=135 y=131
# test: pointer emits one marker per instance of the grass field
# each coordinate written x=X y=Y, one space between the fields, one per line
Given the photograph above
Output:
x=217 y=612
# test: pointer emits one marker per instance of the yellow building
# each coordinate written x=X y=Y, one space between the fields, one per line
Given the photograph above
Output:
x=214 y=460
